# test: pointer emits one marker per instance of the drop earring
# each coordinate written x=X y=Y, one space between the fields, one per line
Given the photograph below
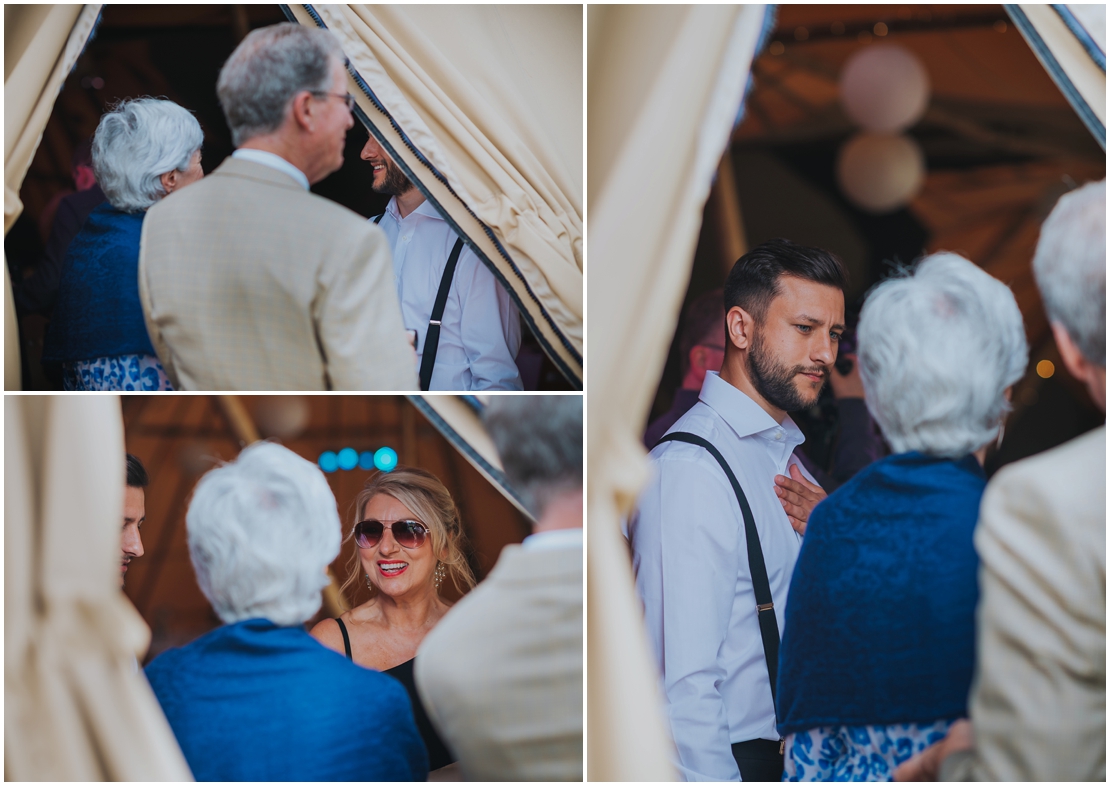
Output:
x=441 y=572
x=369 y=586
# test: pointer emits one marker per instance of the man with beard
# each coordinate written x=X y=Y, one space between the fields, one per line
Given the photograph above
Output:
x=713 y=548
x=472 y=343
x=134 y=514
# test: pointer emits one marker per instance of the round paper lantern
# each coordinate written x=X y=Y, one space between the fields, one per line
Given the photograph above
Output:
x=884 y=88
x=284 y=417
x=880 y=172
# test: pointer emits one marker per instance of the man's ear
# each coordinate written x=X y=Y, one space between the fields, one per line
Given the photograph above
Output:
x=1077 y=365
x=301 y=108
x=741 y=327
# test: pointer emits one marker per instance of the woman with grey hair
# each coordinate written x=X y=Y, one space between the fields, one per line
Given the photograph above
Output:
x=878 y=645
x=143 y=150
x=259 y=699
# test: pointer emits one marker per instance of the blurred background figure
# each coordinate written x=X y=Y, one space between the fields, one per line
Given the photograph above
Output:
x=878 y=646
x=134 y=514
x=258 y=698
x=36 y=294
x=410 y=539
x=501 y=676
x=1038 y=704
x=142 y=151
x=701 y=349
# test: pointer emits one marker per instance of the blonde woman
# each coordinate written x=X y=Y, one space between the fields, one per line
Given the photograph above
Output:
x=409 y=543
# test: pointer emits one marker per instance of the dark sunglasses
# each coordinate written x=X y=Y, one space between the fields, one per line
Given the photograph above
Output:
x=408 y=534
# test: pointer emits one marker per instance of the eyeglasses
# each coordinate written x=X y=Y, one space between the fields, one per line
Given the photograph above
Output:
x=347 y=98
x=408 y=534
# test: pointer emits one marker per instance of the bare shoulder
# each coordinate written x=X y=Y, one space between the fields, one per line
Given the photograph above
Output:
x=327 y=633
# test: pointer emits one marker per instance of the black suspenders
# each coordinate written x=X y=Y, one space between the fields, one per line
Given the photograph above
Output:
x=765 y=607
x=431 y=341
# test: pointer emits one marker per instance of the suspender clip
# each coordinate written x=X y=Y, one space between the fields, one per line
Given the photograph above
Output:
x=434 y=322
x=764 y=606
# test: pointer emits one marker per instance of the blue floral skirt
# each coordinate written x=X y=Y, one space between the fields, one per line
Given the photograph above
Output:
x=857 y=753
x=122 y=372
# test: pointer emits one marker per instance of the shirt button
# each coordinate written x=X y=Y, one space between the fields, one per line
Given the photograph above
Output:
x=778 y=435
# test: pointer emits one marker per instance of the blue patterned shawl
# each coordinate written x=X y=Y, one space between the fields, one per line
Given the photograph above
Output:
x=98 y=312
x=880 y=620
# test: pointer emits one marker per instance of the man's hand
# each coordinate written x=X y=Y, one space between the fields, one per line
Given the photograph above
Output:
x=798 y=497
x=925 y=766
x=848 y=385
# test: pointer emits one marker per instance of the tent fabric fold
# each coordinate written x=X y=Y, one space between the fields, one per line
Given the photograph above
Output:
x=481 y=106
x=458 y=419
x=41 y=44
x=1071 y=54
x=75 y=706
x=665 y=87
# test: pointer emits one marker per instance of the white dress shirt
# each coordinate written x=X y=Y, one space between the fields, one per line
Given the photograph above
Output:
x=480 y=332
x=272 y=160
x=691 y=564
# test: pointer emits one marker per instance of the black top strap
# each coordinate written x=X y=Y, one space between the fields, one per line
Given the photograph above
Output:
x=765 y=606
x=378 y=218
x=431 y=341
x=346 y=638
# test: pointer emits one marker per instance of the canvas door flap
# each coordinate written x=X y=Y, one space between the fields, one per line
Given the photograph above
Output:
x=458 y=419
x=506 y=192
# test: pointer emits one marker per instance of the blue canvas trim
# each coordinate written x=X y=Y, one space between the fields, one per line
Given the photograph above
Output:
x=564 y=369
x=461 y=445
x=1081 y=34
x=474 y=404
x=1048 y=60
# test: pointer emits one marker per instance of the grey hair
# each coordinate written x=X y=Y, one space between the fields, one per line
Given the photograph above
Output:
x=267 y=69
x=539 y=439
x=1070 y=268
x=261 y=531
x=937 y=349
x=137 y=142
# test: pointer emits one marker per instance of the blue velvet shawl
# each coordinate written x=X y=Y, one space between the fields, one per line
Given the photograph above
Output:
x=253 y=701
x=98 y=313
x=880 y=620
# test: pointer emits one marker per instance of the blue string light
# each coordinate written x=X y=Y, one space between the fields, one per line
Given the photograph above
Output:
x=348 y=458
x=385 y=459
x=328 y=461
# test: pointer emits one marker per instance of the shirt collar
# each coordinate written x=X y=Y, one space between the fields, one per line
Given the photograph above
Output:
x=554 y=539
x=272 y=160
x=426 y=209
x=743 y=415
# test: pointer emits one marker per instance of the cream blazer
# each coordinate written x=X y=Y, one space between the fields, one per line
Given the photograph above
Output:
x=501 y=674
x=249 y=282
x=1038 y=700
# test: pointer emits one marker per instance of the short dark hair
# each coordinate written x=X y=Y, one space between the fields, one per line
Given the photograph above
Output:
x=754 y=280
x=136 y=473
x=702 y=314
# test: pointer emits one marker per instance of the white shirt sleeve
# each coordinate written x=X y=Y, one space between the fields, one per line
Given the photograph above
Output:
x=687 y=550
x=490 y=326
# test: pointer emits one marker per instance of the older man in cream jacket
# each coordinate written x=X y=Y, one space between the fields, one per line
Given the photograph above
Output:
x=501 y=675
x=248 y=281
